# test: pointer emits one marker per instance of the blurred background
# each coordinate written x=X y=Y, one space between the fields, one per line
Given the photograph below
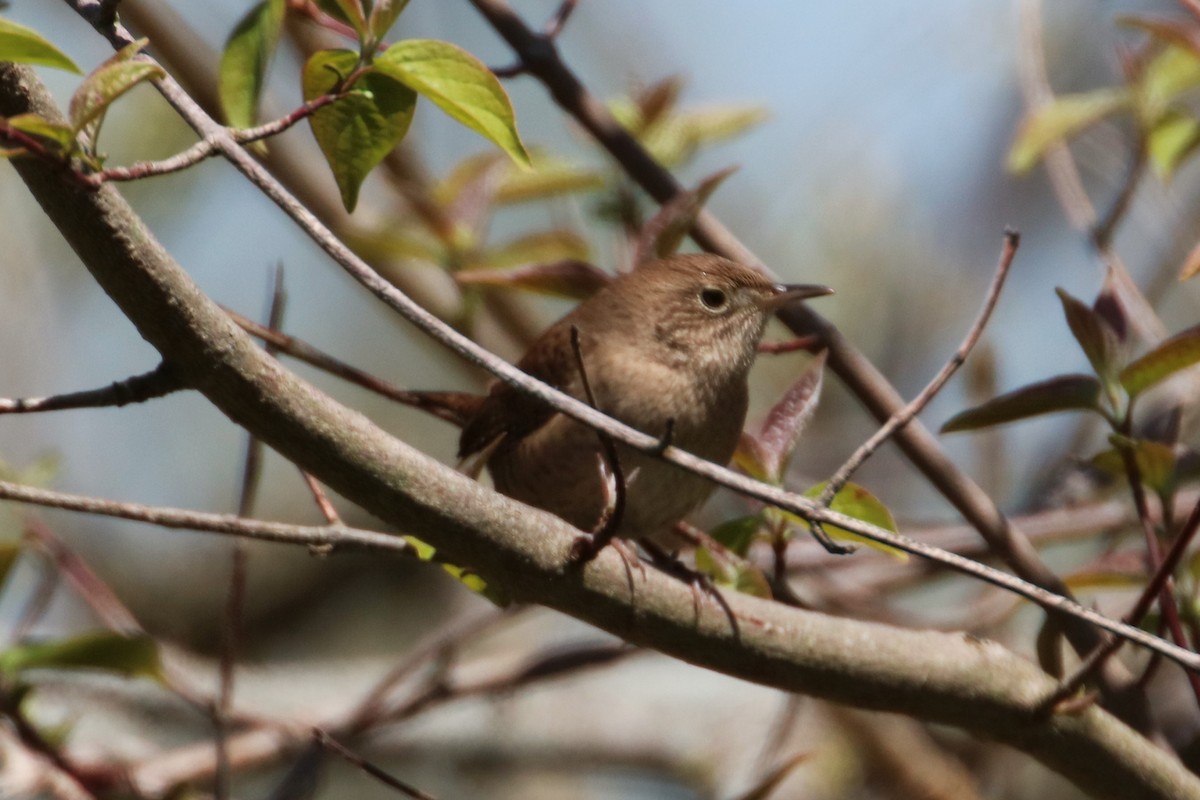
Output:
x=878 y=168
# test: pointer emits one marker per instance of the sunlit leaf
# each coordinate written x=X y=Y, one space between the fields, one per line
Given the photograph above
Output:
x=395 y=243
x=1172 y=355
x=1059 y=120
x=109 y=81
x=1064 y=393
x=854 y=501
x=748 y=457
x=786 y=420
x=460 y=85
x=1169 y=74
x=243 y=67
x=739 y=533
x=359 y=129
x=1099 y=342
x=111 y=652
x=471 y=580
x=1171 y=141
x=22 y=45
x=674 y=139
x=666 y=230
x=548 y=178
x=544 y=246
x=569 y=278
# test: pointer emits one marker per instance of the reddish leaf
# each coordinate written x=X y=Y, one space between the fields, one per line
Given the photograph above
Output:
x=786 y=420
x=665 y=231
x=1064 y=393
x=1099 y=342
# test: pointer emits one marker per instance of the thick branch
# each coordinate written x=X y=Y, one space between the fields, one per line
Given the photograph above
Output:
x=976 y=685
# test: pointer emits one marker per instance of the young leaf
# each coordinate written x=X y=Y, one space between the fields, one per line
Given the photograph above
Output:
x=467 y=578
x=1112 y=311
x=665 y=231
x=22 y=45
x=1061 y=119
x=1179 y=352
x=347 y=11
x=1155 y=462
x=1064 y=393
x=1099 y=342
x=577 y=280
x=748 y=457
x=1172 y=72
x=243 y=68
x=460 y=85
x=357 y=131
x=1171 y=140
x=739 y=533
x=383 y=16
x=538 y=248
x=111 y=652
x=109 y=81
x=59 y=135
x=550 y=177
x=855 y=501
x=787 y=419
x=675 y=138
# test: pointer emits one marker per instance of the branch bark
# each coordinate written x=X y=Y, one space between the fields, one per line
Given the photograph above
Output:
x=947 y=678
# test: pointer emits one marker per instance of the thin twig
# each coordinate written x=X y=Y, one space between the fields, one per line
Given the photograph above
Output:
x=328 y=511
x=550 y=32
x=448 y=406
x=1012 y=241
x=864 y=379
x=159 y=382
x=375 y=772
x=225 y=524
x=1157 y=584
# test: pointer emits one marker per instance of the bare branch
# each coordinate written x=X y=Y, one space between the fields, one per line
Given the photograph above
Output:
x=159 y=382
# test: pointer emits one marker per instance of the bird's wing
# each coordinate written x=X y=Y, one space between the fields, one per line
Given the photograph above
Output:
x=514 y=414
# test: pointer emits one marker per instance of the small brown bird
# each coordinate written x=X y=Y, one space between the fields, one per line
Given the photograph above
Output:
x=666 y=349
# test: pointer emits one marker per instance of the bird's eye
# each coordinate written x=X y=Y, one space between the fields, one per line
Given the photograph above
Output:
x=713 y=298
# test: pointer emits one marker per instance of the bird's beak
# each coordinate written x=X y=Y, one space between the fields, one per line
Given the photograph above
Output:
x=784 y=293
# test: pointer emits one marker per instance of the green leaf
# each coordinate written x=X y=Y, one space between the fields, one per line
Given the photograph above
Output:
x=383 y=16
x=1155 y=462
x=786 y=420
x=1171 y=141
x=1169 y=74
x=741 y=576
x=460 y=85
x=666 y=230
x=466 y=577
x=61 y=136
x=537 y=248
x=549 y=177
x=109 y=81
x=855 y=501
x=749 y=458
x=675 y=138
x=1099 y=342
x=1059 y=120
x=243 y=68
x=1172 y=355
x=22 y=45
x=739 y=533
x=126 y=655
x=577 y=280
x=357 y=131
x=1064 y=393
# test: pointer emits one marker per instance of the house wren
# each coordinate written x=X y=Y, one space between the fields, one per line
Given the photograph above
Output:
x=666 y=349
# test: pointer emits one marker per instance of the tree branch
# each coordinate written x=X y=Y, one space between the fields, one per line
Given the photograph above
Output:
x=946 y=678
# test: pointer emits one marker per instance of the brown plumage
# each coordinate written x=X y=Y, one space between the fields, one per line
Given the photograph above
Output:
x=668 y=345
